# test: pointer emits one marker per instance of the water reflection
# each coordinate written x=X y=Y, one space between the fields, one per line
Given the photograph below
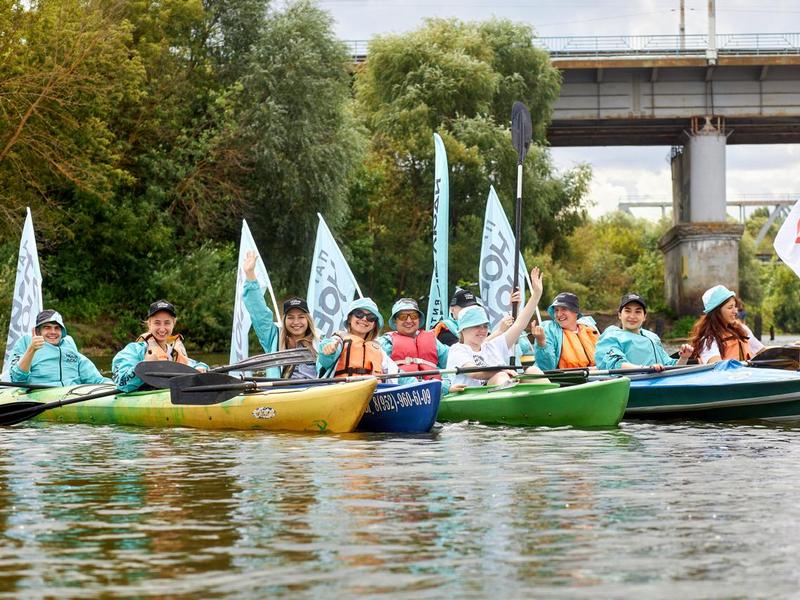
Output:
x=644 y=510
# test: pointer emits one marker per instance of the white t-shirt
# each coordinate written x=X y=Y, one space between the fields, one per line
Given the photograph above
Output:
x=712 y=350
x=492 y=353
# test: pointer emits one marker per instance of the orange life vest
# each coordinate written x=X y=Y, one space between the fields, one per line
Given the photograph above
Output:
x=736 y=348
x=154 y=348
x=577 y=349
x=358 y=357
x=416 y=353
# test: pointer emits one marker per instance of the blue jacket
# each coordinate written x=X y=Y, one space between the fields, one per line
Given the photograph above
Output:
x=547 y=356
x=262 y=319
x=125 y=362
x=617 y=345
x=56 y=365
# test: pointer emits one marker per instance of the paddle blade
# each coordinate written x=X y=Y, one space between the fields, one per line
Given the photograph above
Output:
x=778 y=357
x=180 y=392
x=521 y=129
x=17 y=412
x=159 y=373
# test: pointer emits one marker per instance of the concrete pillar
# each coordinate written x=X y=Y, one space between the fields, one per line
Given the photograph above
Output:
x=702 y=248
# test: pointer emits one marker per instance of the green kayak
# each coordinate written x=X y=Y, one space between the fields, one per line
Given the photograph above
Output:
x=594 y=404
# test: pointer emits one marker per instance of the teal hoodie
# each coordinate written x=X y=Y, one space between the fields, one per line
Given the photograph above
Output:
x=547 y=356
x=263 y=321
x=124 y=363
x=617 y=345
x=60 y=364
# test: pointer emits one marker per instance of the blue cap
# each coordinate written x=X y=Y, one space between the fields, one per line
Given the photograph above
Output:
x=564 y=300
x=472 y=316
x=403 y=304
x=365 y=304
x=715 y=296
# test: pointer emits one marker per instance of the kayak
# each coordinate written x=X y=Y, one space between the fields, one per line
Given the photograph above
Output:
x=408 y=408
x=333 y=408
x=724 y=391
x=587 y=405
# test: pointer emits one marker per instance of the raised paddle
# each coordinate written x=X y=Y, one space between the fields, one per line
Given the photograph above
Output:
x=17 y=412
x=159 y=373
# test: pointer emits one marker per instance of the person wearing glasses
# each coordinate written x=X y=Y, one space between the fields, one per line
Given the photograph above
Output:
x=412 y=348
x=356 y=350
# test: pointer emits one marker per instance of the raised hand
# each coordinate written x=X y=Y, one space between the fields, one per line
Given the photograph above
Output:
x=37 y=341
x=249 y=265
x=536 y=283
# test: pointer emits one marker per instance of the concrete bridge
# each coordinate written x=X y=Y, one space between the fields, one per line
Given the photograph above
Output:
x=696 y=94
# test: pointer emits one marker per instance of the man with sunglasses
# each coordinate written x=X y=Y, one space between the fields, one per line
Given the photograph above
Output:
x=410 y=347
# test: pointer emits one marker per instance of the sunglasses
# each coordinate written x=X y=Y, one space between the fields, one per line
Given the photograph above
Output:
x=362 y=314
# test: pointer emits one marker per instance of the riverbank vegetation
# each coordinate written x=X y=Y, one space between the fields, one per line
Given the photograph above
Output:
x=141 y=133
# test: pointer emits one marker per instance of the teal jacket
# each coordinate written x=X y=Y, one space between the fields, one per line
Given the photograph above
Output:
x=60 y=364
x=442 y=351
x=125 y=362
x=262 y=319
x=616 y=346
x=547 y=356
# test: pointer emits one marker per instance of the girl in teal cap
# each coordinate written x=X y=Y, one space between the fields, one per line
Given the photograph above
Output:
x=355 y=351
x=477 y=350
x=718 y=334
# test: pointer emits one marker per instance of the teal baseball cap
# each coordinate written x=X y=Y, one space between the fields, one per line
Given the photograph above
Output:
x=471 y=317
x=715 y=296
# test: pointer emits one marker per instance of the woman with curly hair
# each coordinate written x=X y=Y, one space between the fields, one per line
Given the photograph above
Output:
x=719 y=334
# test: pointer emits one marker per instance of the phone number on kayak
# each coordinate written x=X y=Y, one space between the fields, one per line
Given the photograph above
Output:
x=396 y=401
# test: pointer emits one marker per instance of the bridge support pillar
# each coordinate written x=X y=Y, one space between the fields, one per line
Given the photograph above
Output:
x=702 y=248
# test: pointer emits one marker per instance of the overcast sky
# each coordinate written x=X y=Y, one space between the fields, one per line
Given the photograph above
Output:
x=619 y=172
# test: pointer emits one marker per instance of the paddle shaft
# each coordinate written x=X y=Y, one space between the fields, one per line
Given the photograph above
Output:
x=17 y=412
x=27 y=386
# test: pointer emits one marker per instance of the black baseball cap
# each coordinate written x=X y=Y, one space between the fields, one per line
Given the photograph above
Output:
x=464 y=298
x=160 y=305
x=566 y=300
x=295 y=302
x=628 y=298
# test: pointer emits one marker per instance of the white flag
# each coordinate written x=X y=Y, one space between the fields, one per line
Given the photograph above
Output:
x=787 y=242
x=497 y=262
x=27 y=301
x=438 y=296
x=241 y=318
x=331 y=285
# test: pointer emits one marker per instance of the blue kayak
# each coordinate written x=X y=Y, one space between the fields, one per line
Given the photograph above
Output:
x=725 y=391
x=403 y=408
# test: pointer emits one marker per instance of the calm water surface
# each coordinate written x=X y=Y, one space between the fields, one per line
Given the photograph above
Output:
x=646 y=510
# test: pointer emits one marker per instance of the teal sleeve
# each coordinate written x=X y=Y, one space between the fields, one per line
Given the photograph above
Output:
x=17 y=374
x=608 y=354
x=386 y=344
x=546 y=358
x=442 y=351
x=196 y=364
x=663 y=357
x=90 y=373
x=123 y=365
x=326 y=362
x=261 y=316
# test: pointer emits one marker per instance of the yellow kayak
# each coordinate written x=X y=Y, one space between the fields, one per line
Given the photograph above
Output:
x=332 y=408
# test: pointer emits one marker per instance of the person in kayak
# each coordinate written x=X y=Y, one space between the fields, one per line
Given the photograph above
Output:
x=356 y=350
x=157 y=343
x=476 y=350
x=632 y=346
x=48 y=356
x=298 y=329
x=569 y=339
x=411 y=348
x=446 y=330
x=719 y=334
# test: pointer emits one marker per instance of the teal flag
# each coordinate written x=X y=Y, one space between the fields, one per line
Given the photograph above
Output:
x=438 y=298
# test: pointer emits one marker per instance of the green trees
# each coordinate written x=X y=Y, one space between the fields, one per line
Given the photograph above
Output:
x=457 y=79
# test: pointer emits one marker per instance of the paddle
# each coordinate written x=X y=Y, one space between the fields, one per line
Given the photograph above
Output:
x=27 y=386
x=159 y=373
x=17 y=412
x=788 y=356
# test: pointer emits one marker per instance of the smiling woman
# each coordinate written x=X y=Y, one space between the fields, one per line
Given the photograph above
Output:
x=157 y=343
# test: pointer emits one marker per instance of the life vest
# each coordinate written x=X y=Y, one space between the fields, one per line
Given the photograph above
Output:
x=175 y=342
x=736 y=348
x=358 y=357
x=577 y=350
x=416 y=353
x=443 y=334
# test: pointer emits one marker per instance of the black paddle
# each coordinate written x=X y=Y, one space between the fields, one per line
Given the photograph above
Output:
x=27 y=386
x=159 y=373
x=521 y=133
x=17 y=412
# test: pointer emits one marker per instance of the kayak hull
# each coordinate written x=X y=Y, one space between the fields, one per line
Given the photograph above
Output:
x=334 y=408
x=588 y=405
x=728 y=391
x=408 y=408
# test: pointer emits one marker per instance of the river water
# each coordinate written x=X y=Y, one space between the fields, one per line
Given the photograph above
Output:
x=646 y=510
